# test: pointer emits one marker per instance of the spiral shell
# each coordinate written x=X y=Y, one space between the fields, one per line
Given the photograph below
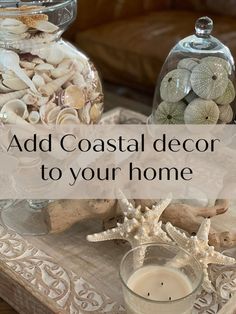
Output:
x=175 y=85
x=201 y=111
x=226 y=114
x=209 y=80
x=228 y=95
x=170 y=113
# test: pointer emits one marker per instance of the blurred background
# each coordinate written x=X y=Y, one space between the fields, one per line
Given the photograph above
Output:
x=129 y=40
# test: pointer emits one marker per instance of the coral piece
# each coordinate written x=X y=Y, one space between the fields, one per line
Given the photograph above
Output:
x=170 y=113
x=175 y=85
x=209 y=80
x=201 y=111
x=139 y=227
x=199 y=247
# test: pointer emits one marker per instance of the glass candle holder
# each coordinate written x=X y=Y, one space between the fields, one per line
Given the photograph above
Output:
x=158 y=282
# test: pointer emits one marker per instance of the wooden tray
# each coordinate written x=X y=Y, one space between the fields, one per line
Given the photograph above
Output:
x=65 y=274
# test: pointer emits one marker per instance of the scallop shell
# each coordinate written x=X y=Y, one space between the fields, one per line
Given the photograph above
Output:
x=201 y=111
x=209 y=81
x=218 y=61
x=74 y=97
x=170 y=113
x=188 y=63
x=228 y=95
x=226 y=114
x=175 y=85
x=67 y=113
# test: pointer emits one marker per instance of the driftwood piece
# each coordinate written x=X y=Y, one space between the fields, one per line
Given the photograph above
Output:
x=63 y=214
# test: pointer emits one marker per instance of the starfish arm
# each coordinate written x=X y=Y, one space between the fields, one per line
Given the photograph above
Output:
x=221 y=259
x=180 y=238
x=207 y=284
x=159 y=208
x=204 y=230
x=112 y=234
x=124 y=203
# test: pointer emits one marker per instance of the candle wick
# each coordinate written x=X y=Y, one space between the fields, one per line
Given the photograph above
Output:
x=162 y=284
x=148 y=294
x=169 y=298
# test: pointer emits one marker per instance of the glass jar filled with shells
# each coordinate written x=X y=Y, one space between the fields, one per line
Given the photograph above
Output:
x=197 y=82
x=43 y=79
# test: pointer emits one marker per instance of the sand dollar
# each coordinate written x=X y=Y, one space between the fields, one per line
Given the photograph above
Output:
x=175 y=85
x=226 y=114
x=201 y=111
x=220 y=61
x=188 y=63
x=170 y=113
x=209 y=81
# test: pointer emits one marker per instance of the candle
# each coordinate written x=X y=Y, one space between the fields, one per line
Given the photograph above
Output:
x=152 y=286
x=160 y=283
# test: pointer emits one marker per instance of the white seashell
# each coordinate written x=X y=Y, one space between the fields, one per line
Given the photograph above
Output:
x=170 y=113
x=96 y=112
x=209 y=81
x=228 y=95
x=14 y=84
x=55 y=85
x=46 y=27
x=29 y=99
x=3 y=88
x=4 y=98
x=27 y=65
x=188 y=63
x=44 y=67
x=69 y=119
x=52 y=53
x=17 y=106
x=29 y=73
x=45 y=109
x=226 y=114
x=58 y=72
x=38 y=80
x=218 y=61
x=175 y=85
x=10 y=60
x=37 y=61
x=46 y=78
x=79 y=80
x=201 y=111
x=74 y=97
x=52 y=115
x=84 y=113
x=66 y=112
x=13 y=26
x=34 y=117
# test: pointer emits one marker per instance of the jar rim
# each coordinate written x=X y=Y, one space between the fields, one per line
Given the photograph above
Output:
x=51 y=6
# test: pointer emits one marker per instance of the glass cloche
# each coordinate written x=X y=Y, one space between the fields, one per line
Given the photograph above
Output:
x=197 y=81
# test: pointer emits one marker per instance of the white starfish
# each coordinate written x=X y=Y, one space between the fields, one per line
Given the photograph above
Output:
x=139 y=227
x=198 y=247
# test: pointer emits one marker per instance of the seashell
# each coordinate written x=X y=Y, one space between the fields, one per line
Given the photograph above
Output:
x=188 y=63
x=3 y=88
x=34 y=117
x=44 y=67
x=37 y=61
x=4 y=98
x=14 y=84
x=218 y=61
x=58 y=72
x=45 y=109
x=190 y=97
x=209 y=81
x=170 y=113
x=13 y=26
x=52 y=115
x=66 y=112
x=55 y=85
x=175 y=85
x=226 y=114
x=17 y=106
x=29 y=73
x=27 y=65
x=10 y=60
x=228 y=95
x=46 y=78
x=29 y=99
x=31 y=20
x=70 y=119
x=52 y=53
x=74 y=97
x=38 y=80
x=45 y=26
x=84 y=113
x=96 y=112
x=201 y=111
x=79 y=80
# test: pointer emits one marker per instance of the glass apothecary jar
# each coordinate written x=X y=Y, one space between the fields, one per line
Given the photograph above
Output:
x=43 y=80
x=197 y=82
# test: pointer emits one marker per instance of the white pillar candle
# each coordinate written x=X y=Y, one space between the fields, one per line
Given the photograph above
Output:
x=158 y=283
